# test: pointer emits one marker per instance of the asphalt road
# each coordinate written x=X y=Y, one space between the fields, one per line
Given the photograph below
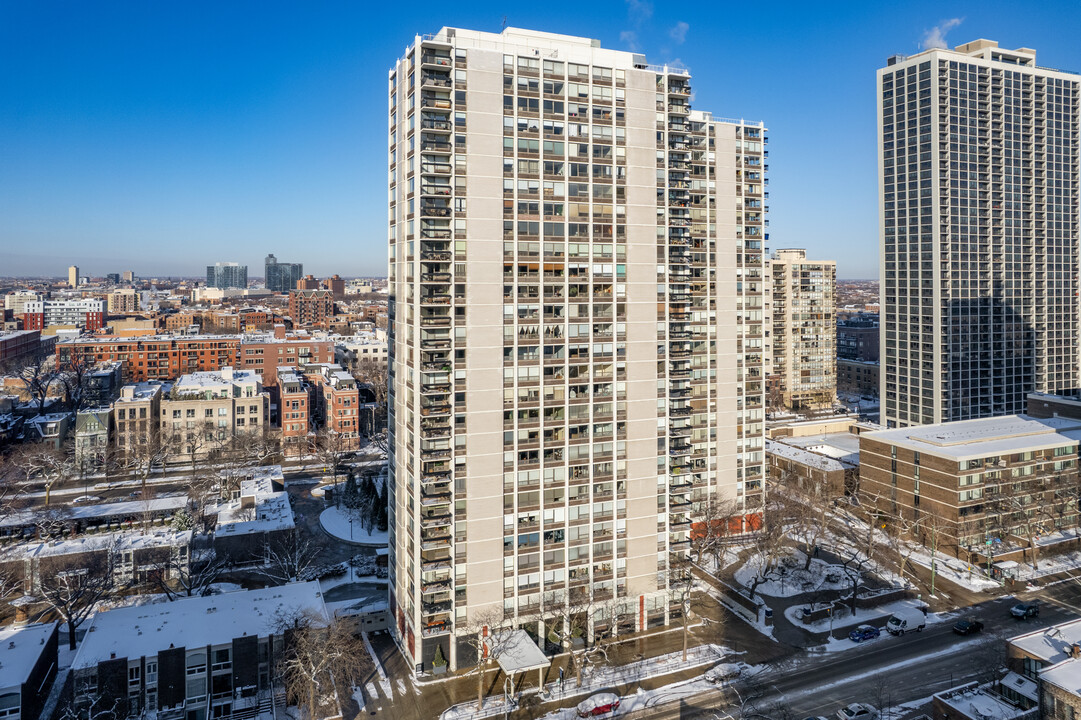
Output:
x=888 y=671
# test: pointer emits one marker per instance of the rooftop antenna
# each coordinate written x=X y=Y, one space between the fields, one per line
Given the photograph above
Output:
x=504 y=23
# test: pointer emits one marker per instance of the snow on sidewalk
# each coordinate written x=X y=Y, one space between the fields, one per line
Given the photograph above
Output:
x=862 y=615
x=603 y=678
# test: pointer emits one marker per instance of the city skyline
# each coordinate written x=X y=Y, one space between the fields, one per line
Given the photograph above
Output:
x=188 y=134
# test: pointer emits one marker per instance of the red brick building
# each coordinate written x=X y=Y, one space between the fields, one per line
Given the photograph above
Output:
x=166 y=357
x=310 y=308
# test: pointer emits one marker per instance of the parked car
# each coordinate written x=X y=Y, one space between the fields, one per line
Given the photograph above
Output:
x=598 y=704
x=967 y=626
x=723 y=672
x=817 y=717
x=906 y=620
x=857 y=711
x=864 y=632
x=1024 y=611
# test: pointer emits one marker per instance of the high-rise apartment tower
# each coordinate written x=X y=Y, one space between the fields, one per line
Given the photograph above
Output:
x=281 y=277
x=73 y=276
x=576 y=333
x=978 y=169
x=227 y=275
x=803 y=347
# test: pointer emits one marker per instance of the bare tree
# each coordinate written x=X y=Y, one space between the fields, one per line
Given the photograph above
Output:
x=178 y=577
x=567 y=617
x=376 y=374
x=49 y=465
x=72 y=585
x=73 y=375
x=146 y=454
x=289 y=558
x=768 y=547
x=711 y=527
x=91 y=702
x=38 y=375
x=486 y=633
x=330 y=446
x=321 y=662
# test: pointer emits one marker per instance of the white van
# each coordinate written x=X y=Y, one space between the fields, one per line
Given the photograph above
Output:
x=907 y=620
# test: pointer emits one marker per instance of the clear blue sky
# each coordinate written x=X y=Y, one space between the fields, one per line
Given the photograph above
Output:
x=161 y=137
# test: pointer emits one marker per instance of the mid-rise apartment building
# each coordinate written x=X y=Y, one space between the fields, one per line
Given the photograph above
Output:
x=136 y=421
x=576 y=331
x=16 y=300
x=310 y=308
x=166 y=357
x=976 y=486
x=124 y=300
x=293 y=397
x=336 y=401
x=978 y=163
x=803 y=308
x=226 y=275
x=86 y=314
x=281 y=277
x=205 y=410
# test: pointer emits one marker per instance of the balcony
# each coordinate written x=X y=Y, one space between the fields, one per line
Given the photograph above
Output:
x=435 y=60
x=432 y=521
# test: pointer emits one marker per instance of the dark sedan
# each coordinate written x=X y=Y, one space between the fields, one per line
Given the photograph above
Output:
x=1023 y=611
x=967 y=626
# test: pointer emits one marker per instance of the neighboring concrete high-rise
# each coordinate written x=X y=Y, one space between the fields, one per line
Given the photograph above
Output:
x=576 y=332
x=282 y=277
x=73 y=276
x=978 y=173
x=803 y=364
x=227 y=275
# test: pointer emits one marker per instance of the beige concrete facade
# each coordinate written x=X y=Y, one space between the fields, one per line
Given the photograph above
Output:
x=803 y=311
x=576 y=331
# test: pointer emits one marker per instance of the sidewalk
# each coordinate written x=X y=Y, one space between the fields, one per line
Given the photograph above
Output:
x=601 y=678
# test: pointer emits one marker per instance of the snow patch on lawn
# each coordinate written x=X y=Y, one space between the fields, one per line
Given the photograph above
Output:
x=336 y=522
x=788 y=576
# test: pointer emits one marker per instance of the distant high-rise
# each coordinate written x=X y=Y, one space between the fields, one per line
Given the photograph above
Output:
x=282 y=277
x=576 y=332
x=227 y=275
x=128 y=276
x=73 y=276
x=978 y=170
x=804 y=341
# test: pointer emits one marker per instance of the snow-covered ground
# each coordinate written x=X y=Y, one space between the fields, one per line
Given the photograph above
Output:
x=606 y=677
x=788 y=577
x=863 y=615
x=964 y=574
x=336 y=522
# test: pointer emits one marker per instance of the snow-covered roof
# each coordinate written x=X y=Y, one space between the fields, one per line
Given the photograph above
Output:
x=1066 y=675
x=133 y=540
x=985 y=437
x=804 y=457
x=108 y=510
x=518 y=652
x=978 y=704
x=271 y=512
x=1020 y=685
x=20 y=648
x=1052 y=644
x=143 y=631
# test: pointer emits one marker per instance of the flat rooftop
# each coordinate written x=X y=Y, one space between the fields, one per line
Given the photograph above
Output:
x=975 y=702
x=985 y=437
x=20 y=649
x=128 y=508
x=144 y=630
x=806 y=457
x=1051 y=644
